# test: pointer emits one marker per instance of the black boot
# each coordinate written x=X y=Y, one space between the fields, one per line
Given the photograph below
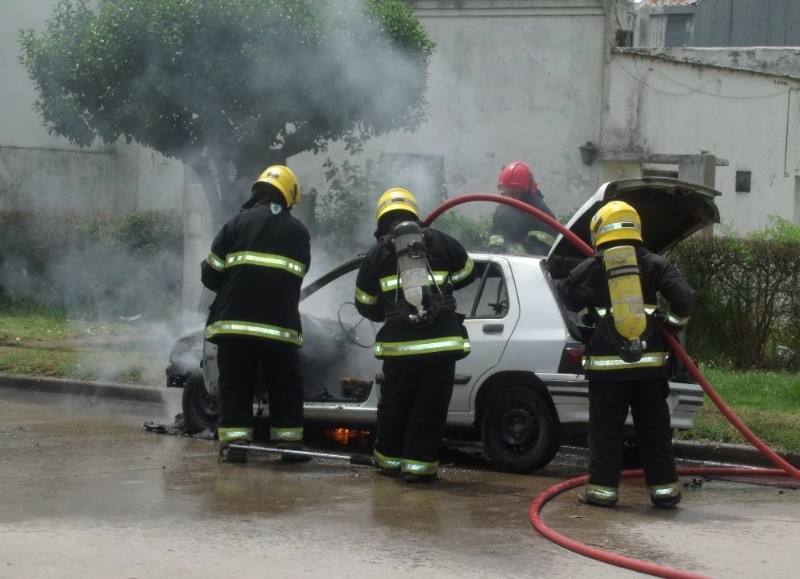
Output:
x=665 y=496
x=290 y=456
x=230 y=454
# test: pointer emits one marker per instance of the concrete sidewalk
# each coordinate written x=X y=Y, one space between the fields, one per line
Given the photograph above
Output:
x=709 y=453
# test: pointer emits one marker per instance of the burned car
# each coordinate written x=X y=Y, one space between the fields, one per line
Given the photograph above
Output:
x=521 y=391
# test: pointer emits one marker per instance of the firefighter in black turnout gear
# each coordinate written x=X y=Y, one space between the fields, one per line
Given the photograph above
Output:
x=626 y=356
x=407 y=281
x=515 y=231
x=256 y=267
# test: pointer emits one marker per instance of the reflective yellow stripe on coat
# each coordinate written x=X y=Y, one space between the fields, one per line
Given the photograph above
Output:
x=265 y=260
x=391 y=282
x=230 y=328
x=461 y=274
x=258 y=259
x=648 y=360
x=417 y=347
x=366 y=298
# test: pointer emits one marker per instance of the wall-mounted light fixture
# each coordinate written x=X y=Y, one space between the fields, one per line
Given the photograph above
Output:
x=588 y=152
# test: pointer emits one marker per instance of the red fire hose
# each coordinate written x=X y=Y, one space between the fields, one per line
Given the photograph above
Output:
x=534 y=514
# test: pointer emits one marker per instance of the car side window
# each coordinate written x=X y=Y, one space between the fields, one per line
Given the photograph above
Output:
x=487 y=296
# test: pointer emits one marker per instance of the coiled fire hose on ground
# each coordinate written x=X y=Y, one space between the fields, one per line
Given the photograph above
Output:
x=535 y=511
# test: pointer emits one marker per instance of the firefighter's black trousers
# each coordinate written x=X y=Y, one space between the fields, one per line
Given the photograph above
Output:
x=412 y=411
x=239 y=360
x=608 y=408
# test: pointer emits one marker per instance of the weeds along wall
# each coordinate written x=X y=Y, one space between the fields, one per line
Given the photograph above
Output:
x=95 y=266
x=748 y=314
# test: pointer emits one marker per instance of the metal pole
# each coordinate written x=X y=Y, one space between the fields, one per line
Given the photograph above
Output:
x=351 y=458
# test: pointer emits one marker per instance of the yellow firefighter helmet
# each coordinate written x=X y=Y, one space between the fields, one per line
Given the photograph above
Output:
x=615 y=221
x=396 y=199
x=284 y=180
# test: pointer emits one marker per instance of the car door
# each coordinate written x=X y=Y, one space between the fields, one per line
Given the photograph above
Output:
x=491 y=308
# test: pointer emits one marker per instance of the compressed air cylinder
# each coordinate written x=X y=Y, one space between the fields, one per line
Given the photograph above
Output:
x=625 y=290
x=412 y=266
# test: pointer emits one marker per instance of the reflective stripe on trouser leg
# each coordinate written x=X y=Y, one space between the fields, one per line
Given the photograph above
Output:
x=419 y=467
x=602 y=495
x=286 y=434
x=233 y=434
x=667 y=491
x=386 y=462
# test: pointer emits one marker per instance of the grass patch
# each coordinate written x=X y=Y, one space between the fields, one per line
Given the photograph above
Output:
x=104 y=364
x=40 y=341
x=26 y=320
x=767 y=402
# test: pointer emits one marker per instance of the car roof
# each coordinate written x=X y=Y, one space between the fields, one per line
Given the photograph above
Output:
x=670 y=209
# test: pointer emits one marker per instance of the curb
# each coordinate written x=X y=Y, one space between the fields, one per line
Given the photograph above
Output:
x=684 y=449
x=114 y=391
x=729 y=454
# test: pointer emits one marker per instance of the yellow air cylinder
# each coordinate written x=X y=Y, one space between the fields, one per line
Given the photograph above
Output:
x=625 y=290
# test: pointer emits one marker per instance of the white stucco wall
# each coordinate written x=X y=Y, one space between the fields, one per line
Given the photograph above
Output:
x=509 y=80
x=749 y=119
x=41 y=172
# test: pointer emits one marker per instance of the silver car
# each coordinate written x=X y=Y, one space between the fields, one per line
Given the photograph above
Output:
x=521 y=391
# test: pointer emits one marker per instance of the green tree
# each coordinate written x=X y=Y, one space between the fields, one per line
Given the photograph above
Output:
x=229 y=86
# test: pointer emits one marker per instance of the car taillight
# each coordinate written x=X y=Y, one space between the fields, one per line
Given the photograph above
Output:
x=571 y=359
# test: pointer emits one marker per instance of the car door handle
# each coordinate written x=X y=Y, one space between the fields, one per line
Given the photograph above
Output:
x=462 y=378
x=493 y=328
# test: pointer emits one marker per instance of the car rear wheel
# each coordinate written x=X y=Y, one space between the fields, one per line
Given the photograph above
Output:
x=520 y=430
x=200 y=409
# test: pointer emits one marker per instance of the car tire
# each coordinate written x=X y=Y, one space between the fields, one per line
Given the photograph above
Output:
x=519 y=430
x=200 y=409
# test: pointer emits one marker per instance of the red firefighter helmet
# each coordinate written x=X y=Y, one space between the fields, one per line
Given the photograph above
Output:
x=516 y=177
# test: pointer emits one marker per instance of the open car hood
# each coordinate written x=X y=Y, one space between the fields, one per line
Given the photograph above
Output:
x=671 y=210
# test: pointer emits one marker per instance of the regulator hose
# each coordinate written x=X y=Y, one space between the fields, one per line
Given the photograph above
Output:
x=534 y=514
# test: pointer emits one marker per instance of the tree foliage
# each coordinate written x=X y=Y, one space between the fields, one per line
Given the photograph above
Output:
x=229 y=86
x=349 y=186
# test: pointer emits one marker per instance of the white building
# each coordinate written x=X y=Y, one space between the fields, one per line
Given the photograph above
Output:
x=661 y=106
x=528 y=80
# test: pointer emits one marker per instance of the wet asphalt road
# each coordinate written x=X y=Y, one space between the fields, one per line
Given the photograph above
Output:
x=88 y=492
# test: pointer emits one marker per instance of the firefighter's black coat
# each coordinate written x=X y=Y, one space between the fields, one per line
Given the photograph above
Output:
x=586 y=287
x=515 y=226
x=445 y=254
x=252 y=293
